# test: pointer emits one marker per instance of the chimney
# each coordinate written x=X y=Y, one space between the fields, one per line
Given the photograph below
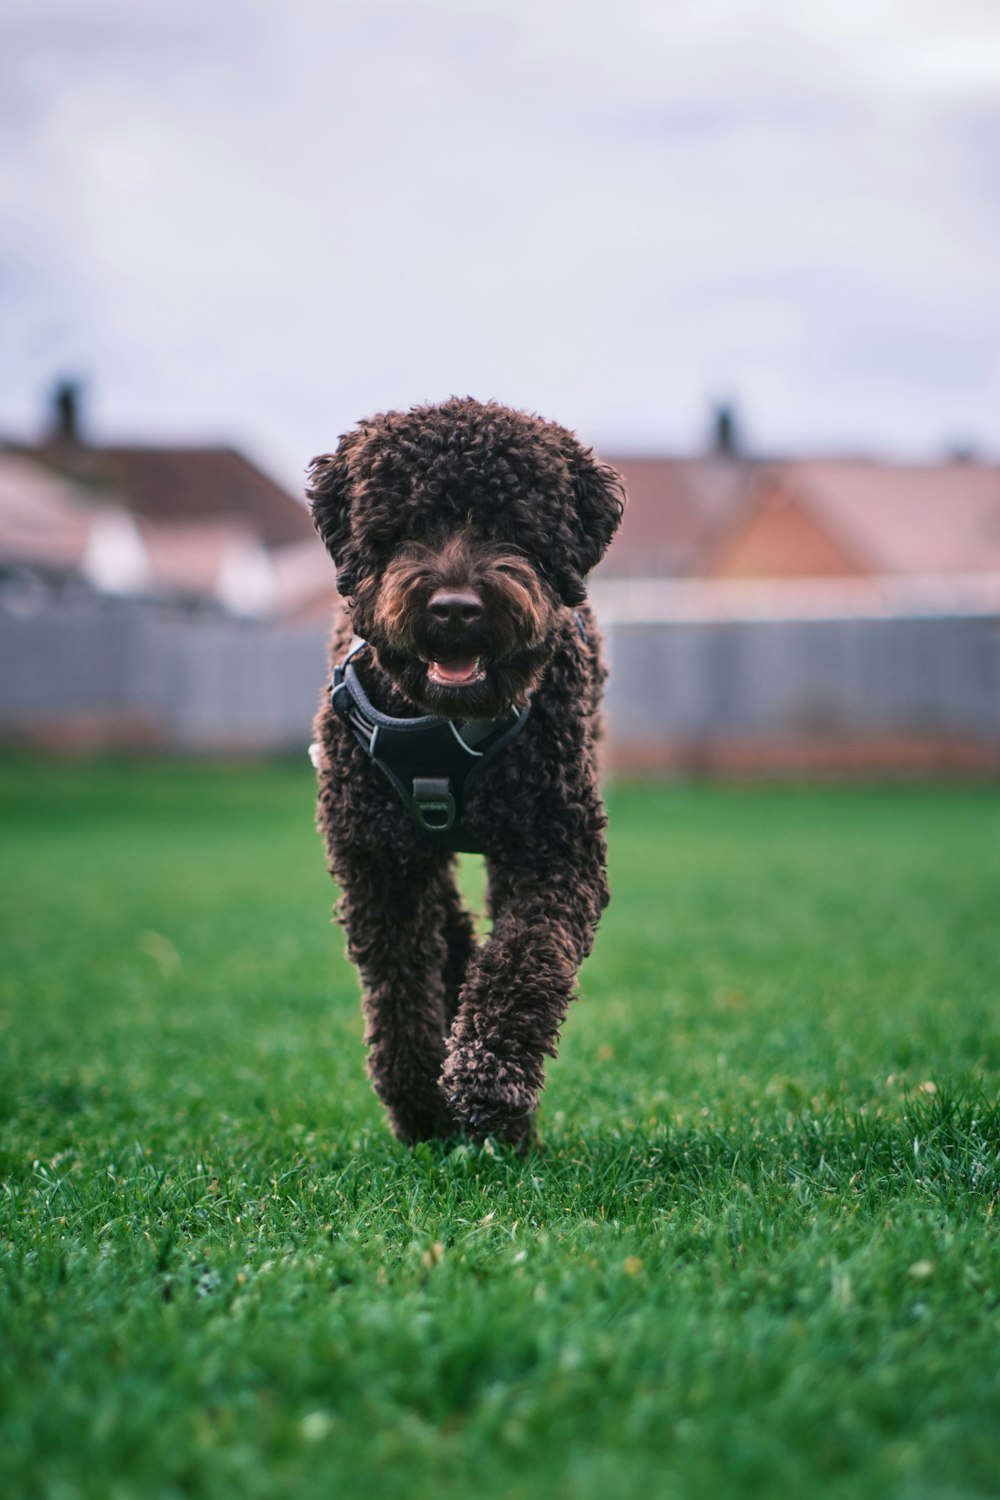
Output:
x=725 y=440
x=65 y=429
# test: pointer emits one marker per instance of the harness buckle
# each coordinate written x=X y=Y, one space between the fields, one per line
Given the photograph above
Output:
x=434 y=802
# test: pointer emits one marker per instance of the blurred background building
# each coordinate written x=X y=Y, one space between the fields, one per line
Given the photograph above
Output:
x=826 y=616
x=154 y=597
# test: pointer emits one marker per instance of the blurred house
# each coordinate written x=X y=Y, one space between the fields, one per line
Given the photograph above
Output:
x=191 y=527
x=852 y=519
x=804 y=617
x=141 y=588
x=809 y=617
x=728 y=515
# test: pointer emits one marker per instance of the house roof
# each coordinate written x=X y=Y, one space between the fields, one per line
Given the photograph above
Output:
x=190 y=483
x=184 y=484
x=41 y=521
x=776 y=532
x=673 y=507
x=833 y=517
x=907 y=518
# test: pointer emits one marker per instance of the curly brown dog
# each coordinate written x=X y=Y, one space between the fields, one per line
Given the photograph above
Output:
x=463 y=716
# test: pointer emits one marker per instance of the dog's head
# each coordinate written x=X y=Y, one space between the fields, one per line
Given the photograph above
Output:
x=459 y=532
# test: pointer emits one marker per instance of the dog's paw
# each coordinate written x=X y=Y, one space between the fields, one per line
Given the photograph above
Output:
x=486 y=1095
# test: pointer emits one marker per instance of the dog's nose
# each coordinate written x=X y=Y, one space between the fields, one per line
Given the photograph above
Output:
x=456 y=606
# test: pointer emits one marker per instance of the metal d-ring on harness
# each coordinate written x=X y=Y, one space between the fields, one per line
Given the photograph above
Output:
x=429 y=760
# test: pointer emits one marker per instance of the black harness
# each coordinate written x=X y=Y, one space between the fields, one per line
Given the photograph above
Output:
x=429 y=760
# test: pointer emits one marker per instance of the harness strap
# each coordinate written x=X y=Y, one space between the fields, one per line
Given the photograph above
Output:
x=429 y=760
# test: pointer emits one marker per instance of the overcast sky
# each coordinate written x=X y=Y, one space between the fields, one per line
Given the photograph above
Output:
x=257 y=222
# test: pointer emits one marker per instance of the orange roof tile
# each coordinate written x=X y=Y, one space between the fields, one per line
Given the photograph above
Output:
x=908 y=518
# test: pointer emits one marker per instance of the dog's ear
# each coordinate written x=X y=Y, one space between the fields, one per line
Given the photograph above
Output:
x=599 y=499
x=329 y=494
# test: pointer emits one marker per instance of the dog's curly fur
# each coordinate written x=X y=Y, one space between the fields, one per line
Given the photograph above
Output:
x=507 y=512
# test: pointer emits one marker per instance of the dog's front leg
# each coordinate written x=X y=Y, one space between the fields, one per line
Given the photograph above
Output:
x=393 y=919
x=517 y=992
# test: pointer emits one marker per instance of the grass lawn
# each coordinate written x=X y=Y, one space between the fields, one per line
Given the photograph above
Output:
x=757 y=1257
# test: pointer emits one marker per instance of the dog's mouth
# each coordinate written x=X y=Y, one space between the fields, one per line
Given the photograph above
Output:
x=462 y=679
x=456 y=671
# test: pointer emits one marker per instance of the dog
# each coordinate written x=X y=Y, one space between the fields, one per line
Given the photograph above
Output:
x=463 y=716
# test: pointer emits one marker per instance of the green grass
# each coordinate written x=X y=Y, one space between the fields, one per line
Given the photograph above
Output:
x=757 y=1257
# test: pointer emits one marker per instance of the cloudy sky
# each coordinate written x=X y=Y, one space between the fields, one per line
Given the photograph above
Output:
x=258 y=222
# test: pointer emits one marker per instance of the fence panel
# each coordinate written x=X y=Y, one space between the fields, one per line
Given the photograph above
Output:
x=694 y=694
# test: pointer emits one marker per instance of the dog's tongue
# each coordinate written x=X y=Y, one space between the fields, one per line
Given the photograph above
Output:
x=456 y=670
